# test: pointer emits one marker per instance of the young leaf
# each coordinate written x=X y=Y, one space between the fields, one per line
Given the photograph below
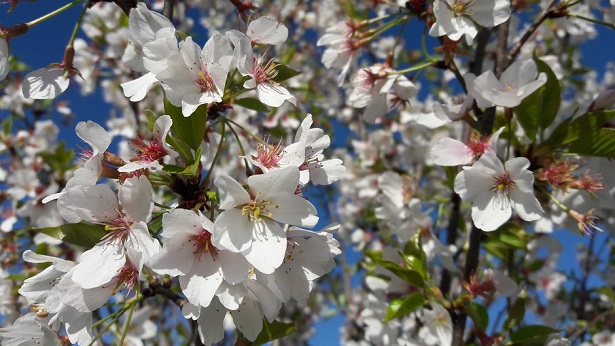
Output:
x=401 y=307
x=479 y=315
x=82 y=234
x=272 y=331
x=531 y=335
x=60 y=159
x=252 y=103
x=600 y=143
x=537 y=111
x=415 y=256
x=516 y=313
x=284 y=73
x=189 y=129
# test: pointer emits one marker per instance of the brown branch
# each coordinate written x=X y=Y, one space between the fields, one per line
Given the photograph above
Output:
x=530 y=31
x=167 y=11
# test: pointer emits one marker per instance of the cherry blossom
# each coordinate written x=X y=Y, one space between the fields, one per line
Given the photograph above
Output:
x=455 y=18
x=190 y=254
x=495 y=190
x=197 y=76
x=249 y=222
x=150 y=155
x=260 y=72
x=517 y=82
x=451 y=152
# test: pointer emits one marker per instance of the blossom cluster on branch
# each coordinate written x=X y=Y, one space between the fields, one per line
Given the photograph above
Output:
x=433 y=149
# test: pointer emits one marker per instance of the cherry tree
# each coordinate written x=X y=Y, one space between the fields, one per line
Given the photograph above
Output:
x=435 y=172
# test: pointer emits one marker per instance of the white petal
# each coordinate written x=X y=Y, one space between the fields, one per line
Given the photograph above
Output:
x=95 y=203
x=103 y=260
x=231 y=192
x=267 y=251
x=211 y=328
x=94 y=135
x=135 y=197
x=268 y=31
x=233 y=231
x=451 y=152
x=4 y=58
x=273 y=94
x=490 y=211
x=45 y=83
x=138 y=88
x=180 y=221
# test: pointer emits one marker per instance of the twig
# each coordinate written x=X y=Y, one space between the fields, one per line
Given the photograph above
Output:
x=530 y=31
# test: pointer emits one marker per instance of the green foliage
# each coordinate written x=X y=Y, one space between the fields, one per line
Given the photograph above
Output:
x=284 y=72
x=408 y=275
x=272 y=331
x=600 y=143
x=531 y=335
x=151 y=119
x=515 y=313
x=401 y=307
x=585 y=135
x=82 y=234
x=537 y=111
x=191 y=170
x=479 y=315
x=7 y=125
x=191 y=129
x=509 y=236
x=415 y=256
x=252 y=103
x=60 y=159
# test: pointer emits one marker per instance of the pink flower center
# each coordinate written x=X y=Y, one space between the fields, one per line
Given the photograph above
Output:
x=149 y=153
x=477 y=145
x=127 y=276
x=264 y=73
x=206 y=82
x=503 y=183
x=118 y=229
x=268 y=155
x=202 y=244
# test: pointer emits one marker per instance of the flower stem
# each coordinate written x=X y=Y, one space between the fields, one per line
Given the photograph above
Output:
x=415 y=67
x=53 y=14
x=216 y=156
x=127 y=324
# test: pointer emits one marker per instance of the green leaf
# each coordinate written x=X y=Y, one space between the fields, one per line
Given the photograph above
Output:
x=284 y=73
x=82 y=234
x=552 y=95
x=516 y=313
x=511 y=235
x=401 y=307
x=7 y=125
x=252 y=103
x=479 y=315
x=272 y=331
x=182 y=148
x=191 y=170
x=531 y=335
x=607 y=291
x=538 y=110
x=151 y=119
x=580 y=129
x=600 y=143
x=60 y=159
x=408 y=275
x=415 y=256
x=191 y=129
